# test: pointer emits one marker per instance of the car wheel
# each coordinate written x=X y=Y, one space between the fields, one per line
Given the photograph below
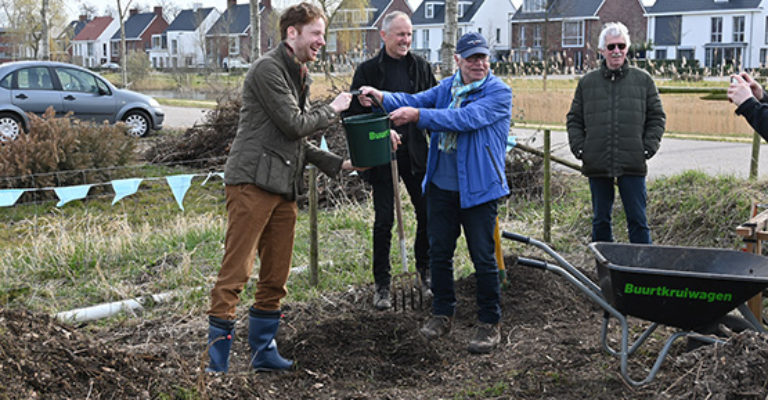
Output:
x=10 y=127
x=138 y=123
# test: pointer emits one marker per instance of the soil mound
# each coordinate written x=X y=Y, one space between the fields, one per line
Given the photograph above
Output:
x=343 y=349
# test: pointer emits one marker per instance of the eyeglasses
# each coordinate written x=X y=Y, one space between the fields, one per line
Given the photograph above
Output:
x=612 y=46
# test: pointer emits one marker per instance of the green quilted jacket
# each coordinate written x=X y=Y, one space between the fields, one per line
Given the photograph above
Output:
x=270 y=148
x=616 y=122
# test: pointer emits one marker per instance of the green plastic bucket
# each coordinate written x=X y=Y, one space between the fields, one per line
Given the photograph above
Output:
x=368 y=139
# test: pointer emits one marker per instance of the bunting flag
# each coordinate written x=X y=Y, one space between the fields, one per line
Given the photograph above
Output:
x=323 y=144
x=511 y=142
x=124 y=187
x=10 y=196
x=212 y=174
x=69 y=193
x=179 y=185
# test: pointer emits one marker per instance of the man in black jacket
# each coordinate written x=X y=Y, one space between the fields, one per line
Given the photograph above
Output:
x=396 y=69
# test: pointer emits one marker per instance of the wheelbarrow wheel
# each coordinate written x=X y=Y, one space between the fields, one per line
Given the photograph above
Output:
x=720 y=328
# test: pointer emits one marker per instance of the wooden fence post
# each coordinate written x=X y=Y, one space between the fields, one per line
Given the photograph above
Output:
x=313 y=269
x=547 y=182
x=755 y=156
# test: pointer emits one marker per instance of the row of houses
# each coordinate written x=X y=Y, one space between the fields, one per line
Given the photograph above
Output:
x=714 y=32
x=196 y=37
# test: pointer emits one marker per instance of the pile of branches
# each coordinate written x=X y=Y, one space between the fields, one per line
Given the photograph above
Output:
x=207 y=145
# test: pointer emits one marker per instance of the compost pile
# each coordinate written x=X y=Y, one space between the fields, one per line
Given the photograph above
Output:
x=207 y=144
x=343 y=349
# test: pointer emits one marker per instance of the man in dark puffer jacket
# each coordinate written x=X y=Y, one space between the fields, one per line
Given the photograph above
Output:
x=615 y=124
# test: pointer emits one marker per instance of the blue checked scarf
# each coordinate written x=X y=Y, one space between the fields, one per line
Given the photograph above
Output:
x=459 y=93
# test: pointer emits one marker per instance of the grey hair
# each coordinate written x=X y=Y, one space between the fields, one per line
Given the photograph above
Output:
x=391 y=17
x=613 y=29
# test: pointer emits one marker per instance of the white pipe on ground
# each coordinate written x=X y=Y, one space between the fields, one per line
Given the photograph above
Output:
x=109 y=309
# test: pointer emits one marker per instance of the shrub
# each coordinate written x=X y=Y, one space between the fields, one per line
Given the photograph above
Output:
x=138 y=66
x=63 y=144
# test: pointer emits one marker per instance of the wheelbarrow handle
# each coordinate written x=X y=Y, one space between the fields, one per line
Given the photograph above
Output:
x=529 y=262
x=515 y=236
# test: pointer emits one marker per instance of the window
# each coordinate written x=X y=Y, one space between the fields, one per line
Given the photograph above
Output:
x=234 y=45
x=766 y=30
x=763 y=54
x=537 y=36
x=521 y=37
x=668 y=30
x=573 y=33
x=661 y=54
x=330 y=44
x=174 y=46
x=90 y=49
x=686 y=54
x=429 y=10
x=425 y=39
x=738 y=28
x=104 y=49
x=498 y=35
x=717 y=30
x=6 y=82
x=480 y=30
x=460 y=11
x=34 y=78
x=534 y=5
x=157 y=41
x=79 y=81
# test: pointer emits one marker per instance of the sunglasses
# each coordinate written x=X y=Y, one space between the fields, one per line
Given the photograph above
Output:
x=612 y=46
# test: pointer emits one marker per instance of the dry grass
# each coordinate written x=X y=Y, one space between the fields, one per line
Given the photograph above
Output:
x=686 y=113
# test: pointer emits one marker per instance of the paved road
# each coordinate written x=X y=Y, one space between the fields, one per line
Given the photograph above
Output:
x=674 y=157
x=182 y=117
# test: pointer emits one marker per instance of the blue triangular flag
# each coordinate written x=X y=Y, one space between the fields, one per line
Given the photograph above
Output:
x=179 y=185
x=323 y=144
x=125 y=187
x=69 y=193
x=8 y=197
x=511 y=142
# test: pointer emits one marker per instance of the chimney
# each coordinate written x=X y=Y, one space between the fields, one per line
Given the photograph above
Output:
x=231 y=3
x=196 y=6
x=83 y=18
x=159 y=10
x=133 y=11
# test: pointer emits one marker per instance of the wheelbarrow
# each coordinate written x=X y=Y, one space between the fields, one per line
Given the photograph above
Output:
x=688 y=288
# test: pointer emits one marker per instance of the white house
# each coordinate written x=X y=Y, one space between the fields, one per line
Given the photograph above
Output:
x=182 y=44
x=91 y=47
x=488 y=17
x=714 y=32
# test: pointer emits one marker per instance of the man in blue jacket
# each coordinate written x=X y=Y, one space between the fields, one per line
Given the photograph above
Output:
x=468 y=116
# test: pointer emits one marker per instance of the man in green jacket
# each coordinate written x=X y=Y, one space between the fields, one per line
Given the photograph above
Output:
x=615 y=124
x=263 y=177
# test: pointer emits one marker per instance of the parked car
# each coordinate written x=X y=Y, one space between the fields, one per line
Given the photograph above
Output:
x=234 y=63
x=33 y=86
x=110 y=66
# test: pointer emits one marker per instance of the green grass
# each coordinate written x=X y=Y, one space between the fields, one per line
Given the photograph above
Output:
x=210 y=104
x=85 y=253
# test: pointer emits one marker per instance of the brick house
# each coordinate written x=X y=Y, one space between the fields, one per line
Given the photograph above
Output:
x=139 y=28
x=355 y=31
x=572 y=29
x=91 y=47
x=230 y=36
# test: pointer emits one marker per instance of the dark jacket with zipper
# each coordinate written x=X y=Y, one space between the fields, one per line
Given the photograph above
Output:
x=372 y=73
x=756 y=113
x=616 y=122
x=270 y=149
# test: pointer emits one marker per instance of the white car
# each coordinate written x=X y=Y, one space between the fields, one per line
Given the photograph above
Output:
x=110 y=66
x=234 y=62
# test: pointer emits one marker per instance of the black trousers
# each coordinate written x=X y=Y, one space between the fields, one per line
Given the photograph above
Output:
x=384 y=206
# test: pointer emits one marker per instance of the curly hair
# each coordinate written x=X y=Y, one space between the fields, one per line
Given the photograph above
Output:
x=299 y=15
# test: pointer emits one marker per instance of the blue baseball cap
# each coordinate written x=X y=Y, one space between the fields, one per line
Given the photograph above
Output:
x=472 y=43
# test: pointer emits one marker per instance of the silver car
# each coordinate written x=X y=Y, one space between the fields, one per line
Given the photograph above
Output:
x=33 y=86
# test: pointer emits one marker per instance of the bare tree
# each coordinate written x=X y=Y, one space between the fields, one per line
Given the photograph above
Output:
x=87 y=9
x=449 y=38
x=46 y=48
x=121 y=11
x=255 y=31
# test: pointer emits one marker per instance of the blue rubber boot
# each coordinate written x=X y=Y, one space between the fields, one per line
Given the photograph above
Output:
x=262 y=328
x=221 y=333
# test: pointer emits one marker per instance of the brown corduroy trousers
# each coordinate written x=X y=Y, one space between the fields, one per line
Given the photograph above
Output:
x=261 y=221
